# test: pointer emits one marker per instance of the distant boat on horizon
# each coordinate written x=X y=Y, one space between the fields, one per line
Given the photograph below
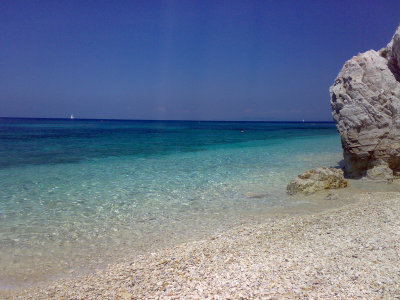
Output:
x=72 y=117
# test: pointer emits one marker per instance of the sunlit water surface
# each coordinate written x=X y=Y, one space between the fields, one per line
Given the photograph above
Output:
x=77 y=194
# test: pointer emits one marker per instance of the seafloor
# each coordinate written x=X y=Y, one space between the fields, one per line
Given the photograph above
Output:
x=350 y=252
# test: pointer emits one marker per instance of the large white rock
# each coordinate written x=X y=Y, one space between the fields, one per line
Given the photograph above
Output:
x=365 y=100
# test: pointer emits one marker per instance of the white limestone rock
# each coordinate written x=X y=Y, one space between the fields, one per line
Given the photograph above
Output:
x=316 y=180
x=365 y=100
x=380 y=171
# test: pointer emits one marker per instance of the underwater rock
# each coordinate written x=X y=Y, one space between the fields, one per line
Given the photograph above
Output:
x=331 y=196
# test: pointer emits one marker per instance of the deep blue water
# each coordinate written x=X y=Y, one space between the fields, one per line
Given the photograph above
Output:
x=73 y=191
x=52 y=141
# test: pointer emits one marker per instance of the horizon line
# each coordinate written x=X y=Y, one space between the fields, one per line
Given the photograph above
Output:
x=166 y=120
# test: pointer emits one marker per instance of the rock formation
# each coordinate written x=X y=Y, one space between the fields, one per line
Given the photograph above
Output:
x=315 y=180
x=365 y=100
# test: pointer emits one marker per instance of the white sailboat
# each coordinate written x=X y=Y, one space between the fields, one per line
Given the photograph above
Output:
x=72 y=117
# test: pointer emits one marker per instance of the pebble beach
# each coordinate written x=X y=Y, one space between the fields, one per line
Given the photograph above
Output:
x=350 y=252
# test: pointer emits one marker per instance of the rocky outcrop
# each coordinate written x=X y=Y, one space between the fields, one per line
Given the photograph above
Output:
x=365 y=100
x=316 y=180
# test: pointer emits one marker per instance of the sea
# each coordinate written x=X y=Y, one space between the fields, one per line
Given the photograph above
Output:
x=76 y=195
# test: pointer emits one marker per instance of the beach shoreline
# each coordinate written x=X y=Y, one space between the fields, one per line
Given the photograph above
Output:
x=346 y=252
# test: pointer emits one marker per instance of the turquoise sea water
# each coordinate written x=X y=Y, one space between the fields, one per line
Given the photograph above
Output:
x=75 y=194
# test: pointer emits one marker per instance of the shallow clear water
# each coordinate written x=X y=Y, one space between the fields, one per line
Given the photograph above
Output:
x=78 y=193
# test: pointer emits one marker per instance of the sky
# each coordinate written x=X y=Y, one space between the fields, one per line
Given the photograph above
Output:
x=271 y=60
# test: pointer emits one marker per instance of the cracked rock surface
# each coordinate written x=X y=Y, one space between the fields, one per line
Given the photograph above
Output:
x=365 y=100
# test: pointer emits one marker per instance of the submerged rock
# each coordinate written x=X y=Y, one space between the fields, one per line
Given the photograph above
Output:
x=256 y=196
x=316 y=180
x=365 y=100
x=331 y=196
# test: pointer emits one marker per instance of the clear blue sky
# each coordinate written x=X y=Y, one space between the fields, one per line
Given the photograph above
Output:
x=187 y=60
